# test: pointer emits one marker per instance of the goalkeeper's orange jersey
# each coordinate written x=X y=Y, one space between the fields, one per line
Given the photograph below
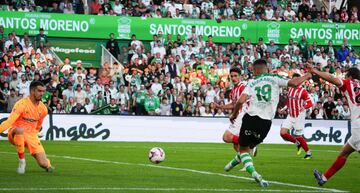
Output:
x=26 y=115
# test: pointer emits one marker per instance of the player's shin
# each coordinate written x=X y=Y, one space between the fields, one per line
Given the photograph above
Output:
x=247 y=161
x=303 y=143
x=288 y=137
x=19 y=142
x=234 y=162
x=336 y=166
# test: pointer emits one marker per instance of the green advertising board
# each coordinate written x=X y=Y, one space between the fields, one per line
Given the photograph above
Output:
x=99 y=27
x=89 y=51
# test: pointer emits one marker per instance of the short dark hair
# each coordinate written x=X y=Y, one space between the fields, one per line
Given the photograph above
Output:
x=260 y=62
x=235 y=69
x=354 y=73
x=296 y=75
x=35 y=84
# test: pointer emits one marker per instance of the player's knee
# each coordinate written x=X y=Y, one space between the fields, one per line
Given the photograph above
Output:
x=18 y=131
x=227 y=137
x=283 y=131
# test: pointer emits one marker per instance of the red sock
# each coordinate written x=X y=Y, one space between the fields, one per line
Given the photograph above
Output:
x=235 y=139
x=303 y=143
x=288 y=137
x=336 y=166
x=21 y=155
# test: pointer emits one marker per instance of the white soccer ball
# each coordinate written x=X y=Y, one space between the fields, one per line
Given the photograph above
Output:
x=156 y=155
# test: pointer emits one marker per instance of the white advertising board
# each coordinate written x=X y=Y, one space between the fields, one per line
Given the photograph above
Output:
x=173 y=129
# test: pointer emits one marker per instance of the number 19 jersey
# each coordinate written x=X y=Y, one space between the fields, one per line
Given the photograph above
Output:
x=263 y=92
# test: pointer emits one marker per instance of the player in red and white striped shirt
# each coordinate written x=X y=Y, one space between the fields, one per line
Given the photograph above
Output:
x=231 y=135
x=298 y=102
x=350 y=87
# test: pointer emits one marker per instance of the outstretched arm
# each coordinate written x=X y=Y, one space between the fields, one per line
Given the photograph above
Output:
x=295 y=82
x=10 y=121
x=326 y=76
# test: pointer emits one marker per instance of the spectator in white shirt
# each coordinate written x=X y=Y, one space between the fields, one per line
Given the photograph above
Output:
x=317 y=57
x=210 y=94
x=228 y=12
x=269 y=12
x=67 y=93
x=117 y=8
x=156 y=86
x=289 y=14
x=177 y=14
x=157 y=14
x=172 y=9
x=66 y=66
x=138 y=44
x=23 y=86
x=79 y=95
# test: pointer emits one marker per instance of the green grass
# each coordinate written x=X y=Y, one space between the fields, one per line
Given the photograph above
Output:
x=275 y=162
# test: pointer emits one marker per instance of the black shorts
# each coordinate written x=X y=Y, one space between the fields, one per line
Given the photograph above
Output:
x=253 y=130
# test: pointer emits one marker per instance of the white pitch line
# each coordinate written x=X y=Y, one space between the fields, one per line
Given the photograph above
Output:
x=193 y=171
x=197 y=171
x=225 y=148
x=155 y=189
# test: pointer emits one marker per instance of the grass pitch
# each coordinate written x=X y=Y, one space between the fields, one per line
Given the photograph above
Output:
x=189 y=167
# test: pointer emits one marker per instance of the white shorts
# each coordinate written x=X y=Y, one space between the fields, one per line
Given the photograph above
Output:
x=297 y=123
x=354 y=140
x=235 y=127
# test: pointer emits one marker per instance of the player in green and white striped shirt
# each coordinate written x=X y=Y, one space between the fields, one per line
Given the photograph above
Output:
x=262 y=96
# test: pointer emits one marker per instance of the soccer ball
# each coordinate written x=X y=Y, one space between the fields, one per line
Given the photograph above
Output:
x=156 y=155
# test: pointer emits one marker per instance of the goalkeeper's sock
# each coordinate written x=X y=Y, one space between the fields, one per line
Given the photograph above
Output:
x=20 y=145
x=247 y=161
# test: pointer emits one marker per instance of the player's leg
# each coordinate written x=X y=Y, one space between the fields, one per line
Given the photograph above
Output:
x=37 y=151
x=285 y=130
x=231 y=135
x=300 y=138
x=336 y=165
x=249 y=165
x=16 y=137
x=254 y=132
x=43 y=161
x=284 y=133
x=299 y=135
x=249 y=130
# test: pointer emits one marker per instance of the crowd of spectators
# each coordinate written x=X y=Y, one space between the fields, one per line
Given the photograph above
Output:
x=186 y=76
x=278 y=10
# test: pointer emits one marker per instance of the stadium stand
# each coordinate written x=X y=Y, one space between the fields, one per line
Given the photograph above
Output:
x=167 y=76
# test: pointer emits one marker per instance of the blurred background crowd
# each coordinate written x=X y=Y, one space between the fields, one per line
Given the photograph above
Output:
x=279 y=10
x=173 y=76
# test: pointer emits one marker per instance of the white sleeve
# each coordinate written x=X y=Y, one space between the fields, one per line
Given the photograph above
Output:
x=247 y=90
x=282 y=82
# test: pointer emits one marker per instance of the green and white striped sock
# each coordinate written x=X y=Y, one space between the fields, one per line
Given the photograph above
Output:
x=247 y=161
x=235 y=161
